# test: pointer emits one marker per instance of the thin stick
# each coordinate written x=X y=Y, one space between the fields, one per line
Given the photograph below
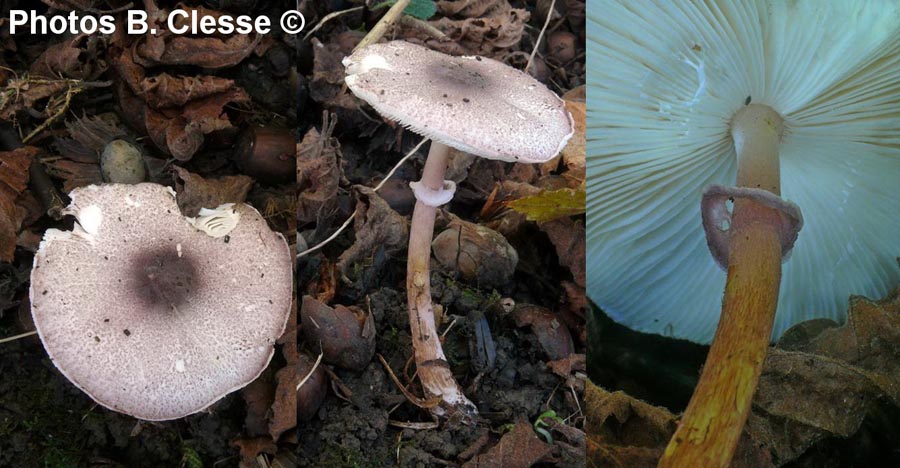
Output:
x=540 y=36
x=328 y=18
x=381 y=26
x=313 y=370
x=377 y=187
x=18 y=337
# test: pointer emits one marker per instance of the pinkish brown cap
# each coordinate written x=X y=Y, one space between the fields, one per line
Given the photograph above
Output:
x=153 y=314
x=474 y=104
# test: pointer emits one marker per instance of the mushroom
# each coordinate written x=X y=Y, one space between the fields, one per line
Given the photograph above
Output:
x=476 y=105
x=153 y=314
x=756 y=93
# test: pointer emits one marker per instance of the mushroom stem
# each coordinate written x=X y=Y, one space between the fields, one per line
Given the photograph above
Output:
x=711 y=426
x=431 y=364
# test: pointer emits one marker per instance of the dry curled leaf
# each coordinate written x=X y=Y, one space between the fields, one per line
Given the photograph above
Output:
x=211 y=52
x=195 y=192
x=552 y=334
x=470 y=8
x=13 y=181
x=489 y=35
x=624 y=432
x=318 y=171
x=380 y=231
x=568 y=237
x=78 y=57
x=827 y=385
x=518 y=448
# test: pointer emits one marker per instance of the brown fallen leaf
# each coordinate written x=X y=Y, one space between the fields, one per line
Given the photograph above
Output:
x=553 y=335
x=826 y=386
x=212 y=51
x=284 y=408
x=74 y=174
x=78 y=57
x=518 y=448
x=13 y=181
x=470 y=8
x=258 y=397
x=624 y=432
x=195 y=192
x=380 y=231
x=318 y=171
x=491 y=35
x=568 y=237
x=250 y=448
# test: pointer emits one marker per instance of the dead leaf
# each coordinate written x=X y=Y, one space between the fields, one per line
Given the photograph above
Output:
x=251 y=448
x=74 y=174
x=13 y=181
x=77 y=58
x=165 y=90
x=550 y=205
x=258 y=396
x=318 y=171
x=195 y=192
x=380 y=233
x=284 y=408
x=826 y=386
x=212 y=52
x=518 y=448
x=553 y=335
x=487 y=35
x=470 y=8
x=568 y=237
x=571 y=363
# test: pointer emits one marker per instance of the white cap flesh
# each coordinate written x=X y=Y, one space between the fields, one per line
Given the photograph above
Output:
x=668 y=78
x=148 y=314
x=474 y=104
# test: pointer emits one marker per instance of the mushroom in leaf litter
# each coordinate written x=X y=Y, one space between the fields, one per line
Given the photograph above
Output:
x=153 y=314
x=798 y=104
x=473 y=104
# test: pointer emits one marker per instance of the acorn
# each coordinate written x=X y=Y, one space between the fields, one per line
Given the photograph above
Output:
x=121 y=162
x=268 y=154
x=312 y=393
x=561 y=46
x=479 y=254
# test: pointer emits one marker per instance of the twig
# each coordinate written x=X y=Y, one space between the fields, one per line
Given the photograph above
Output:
x=352 y=215
x=381 y=26
x=541 y=35
x=328 y=18
x=420 y=402
x=18 y=337
x=426 y=28
x=309 y=375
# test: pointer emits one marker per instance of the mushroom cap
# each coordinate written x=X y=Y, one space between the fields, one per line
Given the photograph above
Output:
x=149 y=313
x=474 y=104
x=672 y=75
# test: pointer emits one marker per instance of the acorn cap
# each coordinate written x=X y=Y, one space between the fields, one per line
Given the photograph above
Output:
x=660 y=106
x=153 y=314
x=474 y=104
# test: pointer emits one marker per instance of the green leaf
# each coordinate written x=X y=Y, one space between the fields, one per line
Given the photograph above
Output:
x=421 y=9
x=550 y=205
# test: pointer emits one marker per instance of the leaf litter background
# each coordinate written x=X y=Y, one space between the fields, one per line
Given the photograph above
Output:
x=829 y=395
x=514 y=332
x=187 y=102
